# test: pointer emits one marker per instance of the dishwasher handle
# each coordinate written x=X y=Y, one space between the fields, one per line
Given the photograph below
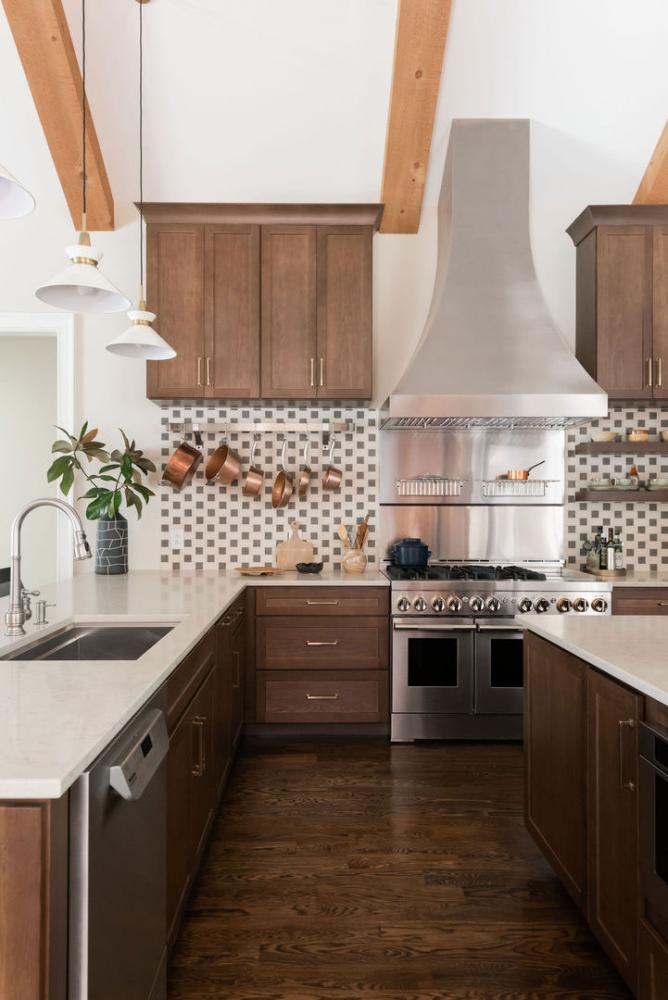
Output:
x=131 y=773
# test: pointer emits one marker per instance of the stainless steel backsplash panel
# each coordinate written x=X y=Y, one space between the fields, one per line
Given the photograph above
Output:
x=474 y=455
x=500 y=534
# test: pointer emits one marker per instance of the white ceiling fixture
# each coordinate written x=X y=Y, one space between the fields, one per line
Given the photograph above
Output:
x=81 y=287
x=140 y=340
x=15 y=200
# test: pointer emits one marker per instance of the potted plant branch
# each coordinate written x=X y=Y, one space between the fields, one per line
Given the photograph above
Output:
x=118 y=480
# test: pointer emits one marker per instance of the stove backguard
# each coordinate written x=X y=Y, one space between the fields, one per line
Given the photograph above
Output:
x=474 y=525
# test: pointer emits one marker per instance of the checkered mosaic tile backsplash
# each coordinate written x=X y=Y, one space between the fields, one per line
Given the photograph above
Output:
x=644 y=526
x=222 y=528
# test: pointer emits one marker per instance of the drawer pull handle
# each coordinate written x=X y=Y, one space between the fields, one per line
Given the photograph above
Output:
x=322 y=697
x=198 y=724
x=311 y=603
x=335 y=642
x=662 y=604
x=630 y=723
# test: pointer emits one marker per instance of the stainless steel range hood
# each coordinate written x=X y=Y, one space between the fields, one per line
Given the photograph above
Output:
x=490 y=353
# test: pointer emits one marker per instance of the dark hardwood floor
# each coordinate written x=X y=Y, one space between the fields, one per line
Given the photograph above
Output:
x=344 y=870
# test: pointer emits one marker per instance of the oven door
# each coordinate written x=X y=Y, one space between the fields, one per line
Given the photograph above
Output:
x=654 y=822
x=499 y=674
x=432 y=666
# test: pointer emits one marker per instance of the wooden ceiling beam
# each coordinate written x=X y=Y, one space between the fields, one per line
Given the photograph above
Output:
x=422 y=29
x=653 y=188
x=45 y=48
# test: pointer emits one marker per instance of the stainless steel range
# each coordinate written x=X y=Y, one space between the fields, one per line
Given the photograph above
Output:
x=457 y=665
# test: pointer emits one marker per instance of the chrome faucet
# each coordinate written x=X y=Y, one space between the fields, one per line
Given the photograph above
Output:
x=20 y=610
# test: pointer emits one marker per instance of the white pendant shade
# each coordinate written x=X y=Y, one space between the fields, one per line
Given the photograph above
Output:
x=81 y=287
x=140 y=340
x=15 y=201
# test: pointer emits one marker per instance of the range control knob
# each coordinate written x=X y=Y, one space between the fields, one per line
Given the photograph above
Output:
x=404 y=604
x=493 y=603
x=542 y=605
x=438 y=604
x=454 y=604
x=599 y=604
x=525 y=605
x=580 y=604
x=476 y=604
x=563 y=605
x=420 y=604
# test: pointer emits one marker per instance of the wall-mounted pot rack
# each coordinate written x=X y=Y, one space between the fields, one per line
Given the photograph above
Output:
x=327 y=428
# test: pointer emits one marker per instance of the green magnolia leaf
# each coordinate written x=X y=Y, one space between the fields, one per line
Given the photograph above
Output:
x=58 y=468
x=116 y=455
x=66 y=433
x=145 y=464
x=111 y=467
x=67 y=481
x=97 y=453
x=94 y=491
x=126 y=467
x=61 y=445
x=107 y=479
x=116 y=502
x=143 y=491
x=125 y=440
x=88 y=436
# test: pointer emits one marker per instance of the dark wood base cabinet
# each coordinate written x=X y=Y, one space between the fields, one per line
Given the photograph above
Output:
x=653 y=965
x=639 y=601
x=581 y=751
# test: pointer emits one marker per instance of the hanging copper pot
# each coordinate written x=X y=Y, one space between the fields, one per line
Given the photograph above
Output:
x=254 y=476
x=283 y=486
x=305 y=474
x=183 y=464
x=223 y=465
x=331 y=479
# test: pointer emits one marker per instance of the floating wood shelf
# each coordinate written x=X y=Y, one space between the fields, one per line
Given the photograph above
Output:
x=622 y=448
x=623 y=496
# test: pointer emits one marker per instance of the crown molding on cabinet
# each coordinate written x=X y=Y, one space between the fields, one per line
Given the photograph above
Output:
x=261 y=214
x=616 y=215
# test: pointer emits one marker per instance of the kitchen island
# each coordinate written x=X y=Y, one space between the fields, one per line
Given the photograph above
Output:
x=596 y=698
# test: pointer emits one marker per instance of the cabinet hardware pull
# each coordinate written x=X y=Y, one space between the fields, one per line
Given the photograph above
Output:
x=322 y=372
x=312 y=373
x=208 y=371
x=198 y=724
x=649 y=373
x=199 y=370
x=237 y=670
x=659 y=373
x=322 y=697
x=322 y=602
x=662 y=604
x=630 y=723
x=310 y=643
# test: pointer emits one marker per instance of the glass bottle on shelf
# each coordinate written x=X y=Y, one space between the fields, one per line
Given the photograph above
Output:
x=619 y=551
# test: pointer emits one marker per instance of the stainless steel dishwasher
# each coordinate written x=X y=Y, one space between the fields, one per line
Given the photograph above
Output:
x=118 y=866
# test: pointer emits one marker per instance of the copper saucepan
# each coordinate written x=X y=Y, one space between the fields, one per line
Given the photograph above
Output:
x=223 y=465
x=283 y=487
x=254 y=476
x=331 y=479
x=183 y=464
x=522 y=474
x=305 y=474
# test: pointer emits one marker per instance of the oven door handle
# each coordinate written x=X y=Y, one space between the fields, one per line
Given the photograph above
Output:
x=410 y=627
x=501 y=628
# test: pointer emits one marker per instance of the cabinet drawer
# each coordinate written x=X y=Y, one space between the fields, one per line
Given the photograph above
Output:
x=639 y=601
x=322 y=696
x=188 y=676
x=322 y=643
x=322 y=601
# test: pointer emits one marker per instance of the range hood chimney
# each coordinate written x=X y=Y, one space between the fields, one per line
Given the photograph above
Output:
x=490 y=353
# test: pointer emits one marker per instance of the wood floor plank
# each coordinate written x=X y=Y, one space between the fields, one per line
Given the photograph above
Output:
x=351 y=870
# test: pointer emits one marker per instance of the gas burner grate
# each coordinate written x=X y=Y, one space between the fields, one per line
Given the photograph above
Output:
x=472 y=571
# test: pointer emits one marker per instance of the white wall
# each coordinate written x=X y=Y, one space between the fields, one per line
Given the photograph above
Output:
x=28 y=384
x=264 y=101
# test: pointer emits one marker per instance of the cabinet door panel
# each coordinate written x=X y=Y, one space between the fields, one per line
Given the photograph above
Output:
x=653 y=977
x=175 y=257
x=238 y=680
x=555 y=759
x=179 y=842
x=639 y=601
x=288 y=312
x=624 y=311
x=613 y=712
x=344 y=312
x=660 y=311
x=233 y=311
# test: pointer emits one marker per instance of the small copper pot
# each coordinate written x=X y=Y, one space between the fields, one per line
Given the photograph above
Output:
x=223 y=465
x=305 y=474
x=331 y=479
x=522 y=475
x=183 y=464
x=283 y=487
x=254 y=476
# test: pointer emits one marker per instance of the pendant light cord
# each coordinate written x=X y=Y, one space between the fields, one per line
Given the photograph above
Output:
x=141 y=148
x=83 y=113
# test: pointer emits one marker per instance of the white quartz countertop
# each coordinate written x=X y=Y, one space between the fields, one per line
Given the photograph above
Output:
x=632 y=648
x=639 y=579
x=56 y=717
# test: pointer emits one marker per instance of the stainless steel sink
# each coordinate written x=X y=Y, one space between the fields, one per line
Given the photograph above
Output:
x=93 y=642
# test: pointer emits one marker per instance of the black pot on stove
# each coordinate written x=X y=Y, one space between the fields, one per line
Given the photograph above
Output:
x=410 y=552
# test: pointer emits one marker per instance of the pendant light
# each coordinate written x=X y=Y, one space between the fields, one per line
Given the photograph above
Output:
x=140 y=340
x=15 y=200
x=81 y=287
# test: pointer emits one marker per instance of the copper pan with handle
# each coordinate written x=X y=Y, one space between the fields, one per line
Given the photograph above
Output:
x=184 y=463
x=254 y=476
x=223 y=465
x=283 y=487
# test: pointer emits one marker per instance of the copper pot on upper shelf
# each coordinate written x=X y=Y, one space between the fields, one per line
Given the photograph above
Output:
x=183 y=464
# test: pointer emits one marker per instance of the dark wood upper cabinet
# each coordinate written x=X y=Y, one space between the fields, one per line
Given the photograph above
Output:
x=344 y=312
x=262 y=301
x=288 y=312
x=622 y=298
x=232 y=311
x=613 y=713
x=175 y=271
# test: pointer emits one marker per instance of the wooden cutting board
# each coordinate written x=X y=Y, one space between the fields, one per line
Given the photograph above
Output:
x=260 y=570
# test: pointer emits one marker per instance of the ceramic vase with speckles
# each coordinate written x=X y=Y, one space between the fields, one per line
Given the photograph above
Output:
x=111 y=550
